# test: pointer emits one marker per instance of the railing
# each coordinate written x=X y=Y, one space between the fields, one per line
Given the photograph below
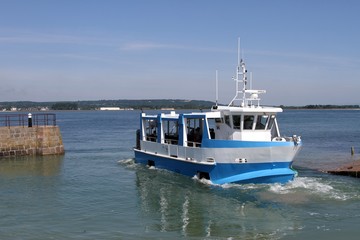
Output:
x=28 y=120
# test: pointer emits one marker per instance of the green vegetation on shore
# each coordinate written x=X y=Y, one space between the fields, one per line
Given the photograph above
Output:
x=322 y=107
x=136 y=104
x=97 y=104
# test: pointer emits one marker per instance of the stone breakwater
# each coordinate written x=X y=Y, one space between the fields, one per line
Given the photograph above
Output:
x=39 y=140
x=351 y=169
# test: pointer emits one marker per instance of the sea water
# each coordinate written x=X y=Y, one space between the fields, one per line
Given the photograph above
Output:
x=96 y=191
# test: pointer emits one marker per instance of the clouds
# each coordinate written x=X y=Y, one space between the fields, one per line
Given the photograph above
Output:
x=126 y=49
x=30 y=38
x=141 y=46
x=77 y=67
x=23 y=36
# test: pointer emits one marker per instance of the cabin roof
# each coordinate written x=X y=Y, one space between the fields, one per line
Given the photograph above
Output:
x=216 y=113
x=252 y=109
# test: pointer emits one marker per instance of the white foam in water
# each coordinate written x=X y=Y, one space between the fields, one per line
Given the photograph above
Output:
x=246 y=186
x=313 y=186
x=126 y=161
x=303 y=188
x=204 y=181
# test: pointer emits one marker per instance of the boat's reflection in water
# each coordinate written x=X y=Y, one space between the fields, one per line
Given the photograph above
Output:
x=180 y=206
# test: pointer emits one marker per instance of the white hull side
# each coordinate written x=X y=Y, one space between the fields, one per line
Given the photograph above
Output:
x=224 y=155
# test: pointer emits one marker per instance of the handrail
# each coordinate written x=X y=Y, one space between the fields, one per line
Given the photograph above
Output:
x=29 y=120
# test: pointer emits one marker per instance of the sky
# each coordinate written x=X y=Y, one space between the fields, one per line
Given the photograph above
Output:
x=301 y=52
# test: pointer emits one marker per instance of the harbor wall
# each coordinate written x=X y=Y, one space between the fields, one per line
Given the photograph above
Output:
x=38 y=140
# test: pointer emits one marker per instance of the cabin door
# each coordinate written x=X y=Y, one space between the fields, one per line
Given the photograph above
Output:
x=173 y=150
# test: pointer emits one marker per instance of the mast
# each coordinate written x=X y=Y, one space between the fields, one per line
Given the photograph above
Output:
x=240 y=71
x=241 y=77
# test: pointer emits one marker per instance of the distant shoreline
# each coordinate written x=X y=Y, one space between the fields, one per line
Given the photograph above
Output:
x=145 y=104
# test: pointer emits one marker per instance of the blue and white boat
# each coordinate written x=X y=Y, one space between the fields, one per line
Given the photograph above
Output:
x=237 y=143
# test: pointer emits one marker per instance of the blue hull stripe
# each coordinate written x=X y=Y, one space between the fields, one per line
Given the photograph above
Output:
x=226 y=172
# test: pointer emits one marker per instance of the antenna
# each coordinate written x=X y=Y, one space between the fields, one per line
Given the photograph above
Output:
x=238 y=51
x=216 y=88
x=250 y=80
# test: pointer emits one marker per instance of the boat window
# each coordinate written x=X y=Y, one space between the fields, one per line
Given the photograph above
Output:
x=236 y=121
x=248 y=121
x=150 y=129
x=227 y=120
x=261 y=121
x=171 y=131
x=271 y=122
x=213 y=123
x=194 y=131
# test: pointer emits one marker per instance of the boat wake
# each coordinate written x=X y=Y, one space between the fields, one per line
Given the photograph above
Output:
x=305 y=189
x=312 y=187
x=310 y=184
x=127 y=161
x=204 y=181
x=300 y=190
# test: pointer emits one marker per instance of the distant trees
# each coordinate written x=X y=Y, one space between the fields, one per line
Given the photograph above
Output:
x=122 y=103
x=147 y=104
x=319 y=106
x=65 y=106
x=331 y=106
x=138 y=104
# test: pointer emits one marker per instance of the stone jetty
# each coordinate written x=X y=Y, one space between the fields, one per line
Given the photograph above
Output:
x=351 y=169
x=24 y=134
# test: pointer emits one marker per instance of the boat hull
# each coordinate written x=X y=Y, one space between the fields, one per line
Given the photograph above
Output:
x=221 y=173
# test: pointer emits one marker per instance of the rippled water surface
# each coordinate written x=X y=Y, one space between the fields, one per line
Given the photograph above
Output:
x=96 y=191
